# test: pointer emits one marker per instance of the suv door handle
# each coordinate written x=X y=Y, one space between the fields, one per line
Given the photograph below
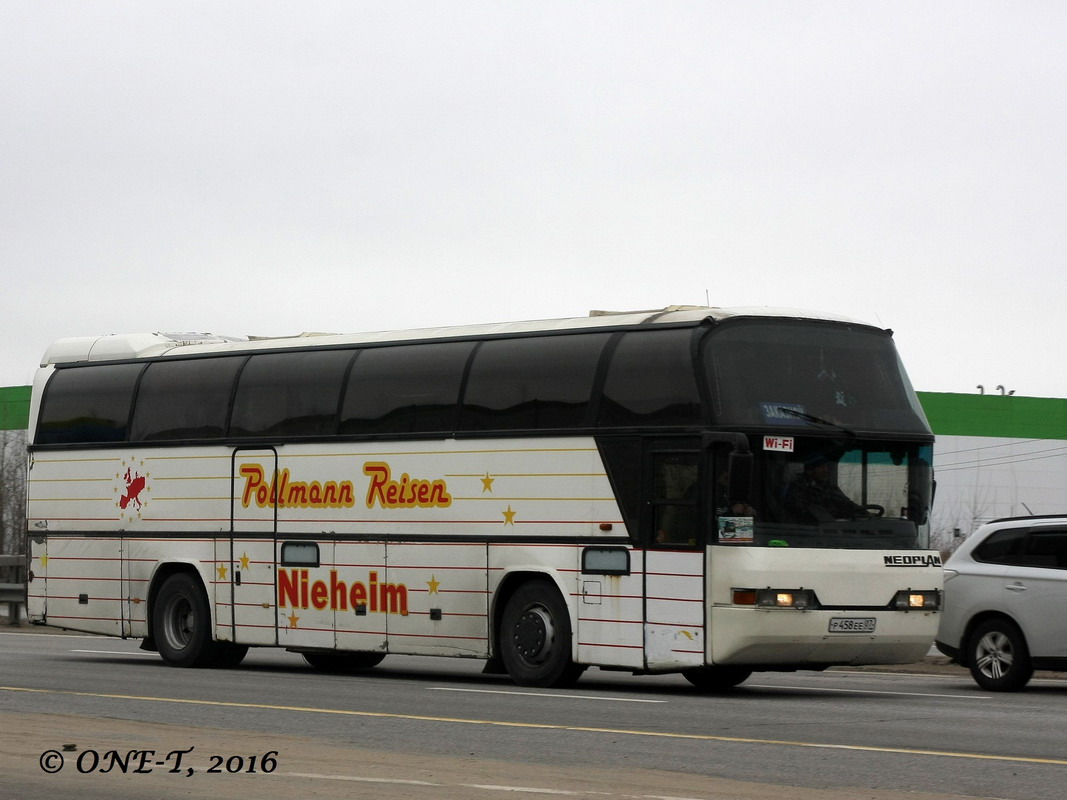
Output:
x=1015 y=587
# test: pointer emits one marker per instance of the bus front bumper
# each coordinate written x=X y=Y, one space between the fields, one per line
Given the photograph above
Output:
x=820 y=638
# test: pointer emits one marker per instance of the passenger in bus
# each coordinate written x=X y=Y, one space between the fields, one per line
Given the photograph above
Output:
x=814 y=496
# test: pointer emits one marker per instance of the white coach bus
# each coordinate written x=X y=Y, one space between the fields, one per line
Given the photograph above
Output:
x=703 y=491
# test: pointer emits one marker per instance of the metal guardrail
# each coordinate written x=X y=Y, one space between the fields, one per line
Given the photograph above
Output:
x=13 y=585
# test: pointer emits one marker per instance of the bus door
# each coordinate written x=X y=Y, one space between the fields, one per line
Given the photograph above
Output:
x=311 y=590
x=245 y=577
x=674 y=627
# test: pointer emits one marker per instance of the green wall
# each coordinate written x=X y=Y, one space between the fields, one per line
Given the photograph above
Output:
x=995 y=415
x=14 y=408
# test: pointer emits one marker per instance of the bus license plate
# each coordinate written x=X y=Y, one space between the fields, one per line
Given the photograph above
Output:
x=852 y=624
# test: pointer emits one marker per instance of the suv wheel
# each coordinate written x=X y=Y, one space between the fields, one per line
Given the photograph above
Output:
x=998 y=657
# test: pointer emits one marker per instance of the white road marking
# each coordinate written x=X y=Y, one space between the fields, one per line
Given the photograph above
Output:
x=547 y=694
x=527 y=789
x=865 y=691
x=485 y=786
x=358 y=779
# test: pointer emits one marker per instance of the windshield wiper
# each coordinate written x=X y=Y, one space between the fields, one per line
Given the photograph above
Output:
x=792 y=412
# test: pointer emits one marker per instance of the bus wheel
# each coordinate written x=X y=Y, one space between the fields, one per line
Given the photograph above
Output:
x=716 y=679
x=535 y=637
x=343 y=662
x=181 y=623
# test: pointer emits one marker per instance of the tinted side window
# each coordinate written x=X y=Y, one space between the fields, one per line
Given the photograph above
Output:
x=184 y=399
x=1003 y=547
x=1046 y=548
x=87 y=404
x=674 y=498
x=405 y=389
x=543 y=382
x=651 y=381
x=623 y=459
x=289 y=394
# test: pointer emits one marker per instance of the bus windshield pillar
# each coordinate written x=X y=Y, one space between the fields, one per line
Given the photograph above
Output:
x=739 y=462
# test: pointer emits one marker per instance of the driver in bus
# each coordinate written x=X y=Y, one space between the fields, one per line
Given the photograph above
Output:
x=815 y=497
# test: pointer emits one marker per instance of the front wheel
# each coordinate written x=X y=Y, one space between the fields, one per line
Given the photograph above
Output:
x=716 y=678
x=998 y=657
x=535 y=637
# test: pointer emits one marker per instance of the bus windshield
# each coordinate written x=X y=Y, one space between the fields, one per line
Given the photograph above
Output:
x=796 y=374
x=838 y=494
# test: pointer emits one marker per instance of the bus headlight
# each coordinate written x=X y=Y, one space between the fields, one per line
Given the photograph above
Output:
x=916 y=600
x=776 y=598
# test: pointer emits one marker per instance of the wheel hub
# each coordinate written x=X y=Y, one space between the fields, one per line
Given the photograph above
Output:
x=533 y=636
x=995 y=655
x=179 y=623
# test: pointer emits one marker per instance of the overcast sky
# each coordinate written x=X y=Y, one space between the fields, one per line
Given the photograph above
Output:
x=270 y=168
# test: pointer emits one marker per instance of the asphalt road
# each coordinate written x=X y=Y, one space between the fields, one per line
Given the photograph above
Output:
x=73 y=709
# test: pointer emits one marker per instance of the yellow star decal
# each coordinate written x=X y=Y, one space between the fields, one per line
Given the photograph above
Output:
x=509 y=516
x=433 y=583
x=245 y=561
x=44 y=560
x=221 y=569
x=487 y=483
x=293 y=619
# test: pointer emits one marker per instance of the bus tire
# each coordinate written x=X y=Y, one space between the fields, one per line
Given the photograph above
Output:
x=181 y=623
x=535 y=637
x=343 y=662
x=716 y=678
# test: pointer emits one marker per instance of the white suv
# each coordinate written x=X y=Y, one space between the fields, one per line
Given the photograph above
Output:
x=1005 y=608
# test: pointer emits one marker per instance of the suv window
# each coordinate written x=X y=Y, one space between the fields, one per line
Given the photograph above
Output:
x=1024 y=547
x=1002 y=547
x=1047 y=548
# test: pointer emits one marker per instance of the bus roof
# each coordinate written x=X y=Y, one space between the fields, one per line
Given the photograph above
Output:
x=147 y=345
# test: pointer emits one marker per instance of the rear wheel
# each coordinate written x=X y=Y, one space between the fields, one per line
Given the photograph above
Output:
x=535 y=637
x=181 y=622
x=716 y=678
x=998 y=657
x=343 y=662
